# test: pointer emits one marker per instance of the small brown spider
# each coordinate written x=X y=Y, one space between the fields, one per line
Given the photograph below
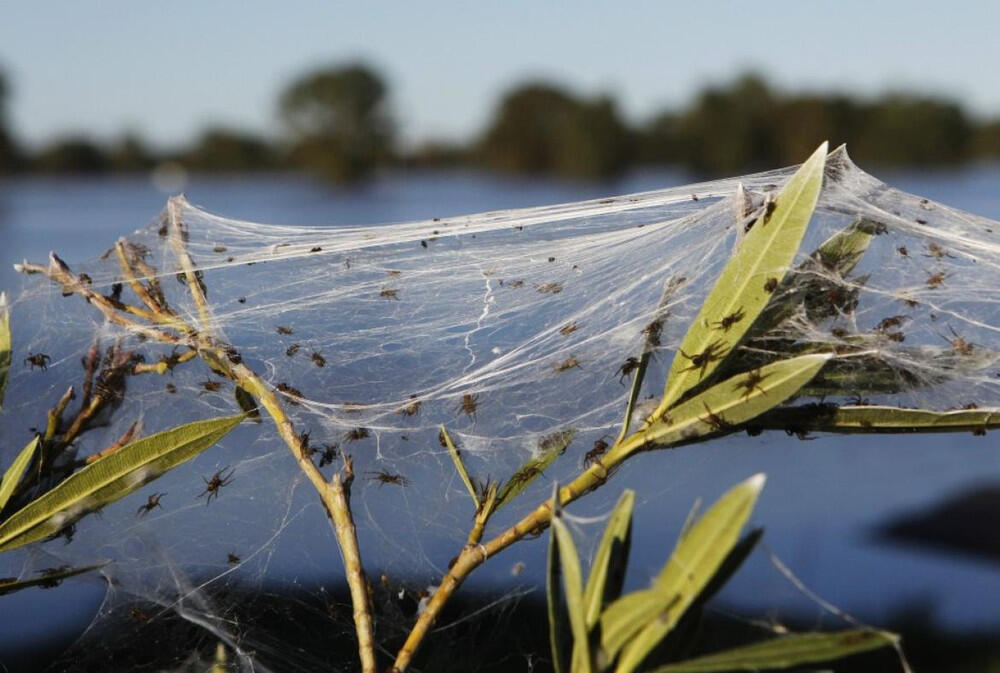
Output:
x=936 y=279
x=550 y=288
x=218 y=480
x=294 y=394
x=468 y=405
x=37 y=360
x=961 y=346
x=729 y=320
x=631 y=364
x=568 y=363
x=292 y=350
x=411 y=409
x=715 y=421
x=383 y=477
x=318 y=359
x=714 y=352
x=389 y=293
x=567 y=329
x=751 y=382
x=232 y=558
x=771 y=285
x=285 y=330
x=355 y=434
x=329 y=452
x=210 y=386
x=594 y=455
x=152 y=502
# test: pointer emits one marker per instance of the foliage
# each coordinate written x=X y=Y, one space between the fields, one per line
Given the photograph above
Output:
x=338 y=122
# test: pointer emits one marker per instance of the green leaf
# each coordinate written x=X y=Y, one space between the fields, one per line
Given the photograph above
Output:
x=786 y=652
x=456 y=457
x=730 y=402
x=607 y=573
x=867 y=419
x=560 y=632
x=634 y=627
x=111 y=478
x=12 y=477
x=551 y=447
x=47 y=579
x=766 y=253
x=573 y=587
x=5 y=347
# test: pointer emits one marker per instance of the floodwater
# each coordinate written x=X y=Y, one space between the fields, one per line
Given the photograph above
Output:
x=824 y=498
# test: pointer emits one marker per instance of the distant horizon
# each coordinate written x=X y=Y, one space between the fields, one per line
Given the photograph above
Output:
x=166 y=73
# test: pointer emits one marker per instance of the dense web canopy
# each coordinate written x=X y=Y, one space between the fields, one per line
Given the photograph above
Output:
x=516 y=330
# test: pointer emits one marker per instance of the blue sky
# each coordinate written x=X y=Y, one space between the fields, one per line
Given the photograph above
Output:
x=166 y=69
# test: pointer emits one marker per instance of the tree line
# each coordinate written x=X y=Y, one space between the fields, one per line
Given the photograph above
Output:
x=337 y=123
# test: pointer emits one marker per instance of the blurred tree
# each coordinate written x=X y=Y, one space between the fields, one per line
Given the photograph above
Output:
x=986 y=142
x=338 y=122
x=226 y=150
x=9 y=155
x=130 y=155
x=73 y=154
x=913 y=130
x=540 y=128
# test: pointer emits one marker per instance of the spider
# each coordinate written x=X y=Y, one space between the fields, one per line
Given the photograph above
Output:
x=285 y=330
x=961 y=346
x=318 y=359
x=631 y=364
x=652 y=332
x=389 y=293
x=771 y=285
x=567 y=329
x=292 y=350
x=468 y=405
x=356 y=434
x=294 y=394
x=210 y=386
x=751 y=382
x=152 y=502
x=729 y=320
x=410 y=409
x=383 y=477
x=37 y=360
x=890 y=322
x=218 y=480
x=328 y=454
x=550 y=288
x=525 y=474
x=232 y=558
x=936 y=279
x=712 y=353
x=717 y=423
x=568 y=363
x=594 y=455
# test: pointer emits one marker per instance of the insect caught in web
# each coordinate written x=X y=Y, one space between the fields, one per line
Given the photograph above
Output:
x=383 y=478
x=714 y=352
x=151 y=503
x=468 y=405
x=37 y=360
x=218 y=480
x=729 y=320
x=631 y=364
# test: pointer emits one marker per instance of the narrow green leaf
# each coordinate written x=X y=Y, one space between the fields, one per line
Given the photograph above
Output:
x=247 y=403
x=573 y=587
x=740 y=293
x=868 y=419
x=456 y=457
x=786 y=652
x=5 y=345
x=607 y=573
x=560 y=632
x=635 y=628
x=111 y=478
x=725 y=405
x=12 y=477
x=47 y=579
x=551 y=447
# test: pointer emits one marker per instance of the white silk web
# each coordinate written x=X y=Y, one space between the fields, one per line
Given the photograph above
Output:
x=506 y=327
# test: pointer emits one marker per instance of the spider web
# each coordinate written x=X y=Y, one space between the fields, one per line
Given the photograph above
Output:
x=506 y=327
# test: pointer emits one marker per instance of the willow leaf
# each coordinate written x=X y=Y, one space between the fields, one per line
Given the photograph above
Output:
x=456 y=457
x=5 y=345
x=726 y=404
x=551 y=447
x=786 y=652
x=607 y=573
x=569 y=561
x=12 y=477
x=766 y=253
x=111 y=479
x=636 y=623
x=47 y=578
x=695 y=561
x=560 y=635
x=873 y=418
